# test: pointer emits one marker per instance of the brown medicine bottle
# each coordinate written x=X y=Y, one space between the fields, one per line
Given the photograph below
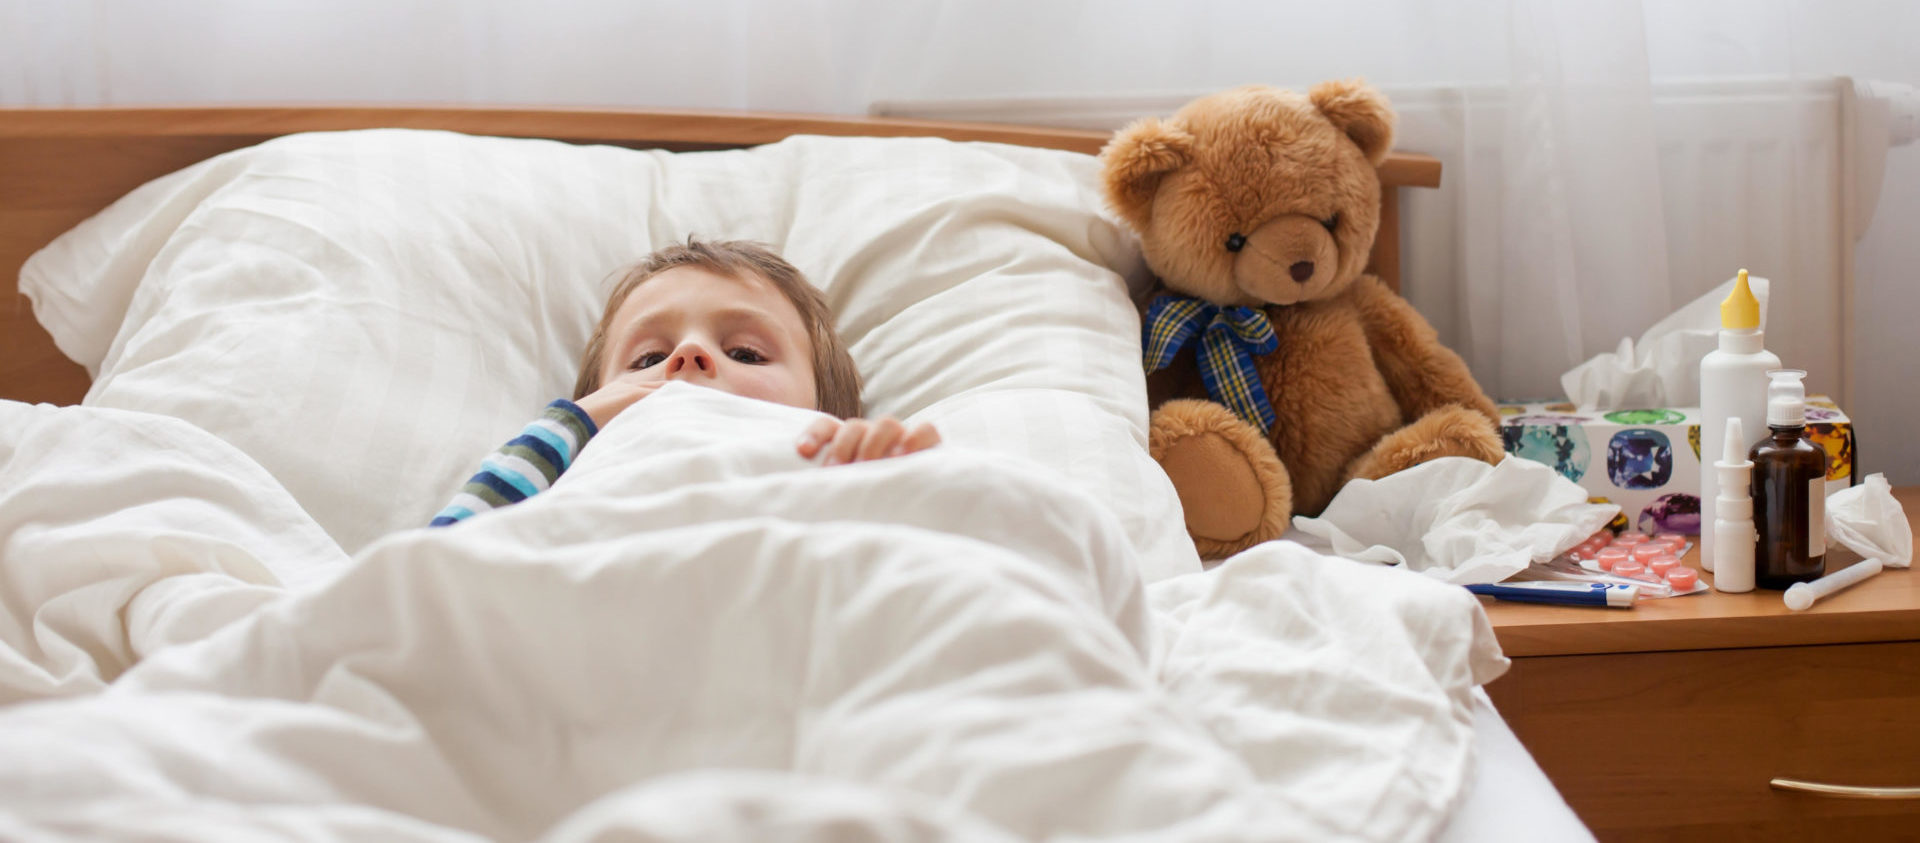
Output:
x=1789 y=490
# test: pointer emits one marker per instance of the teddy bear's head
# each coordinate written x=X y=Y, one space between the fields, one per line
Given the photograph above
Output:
x=1255 y=195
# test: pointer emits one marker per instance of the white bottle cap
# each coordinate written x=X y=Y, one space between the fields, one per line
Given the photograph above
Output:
x=1734 y=454
x=1735 y=470
x=1786 y=398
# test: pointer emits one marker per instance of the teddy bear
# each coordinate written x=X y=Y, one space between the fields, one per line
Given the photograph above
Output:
x=1278 y=369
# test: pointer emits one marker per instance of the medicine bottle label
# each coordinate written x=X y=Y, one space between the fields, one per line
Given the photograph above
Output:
x=1817 y=517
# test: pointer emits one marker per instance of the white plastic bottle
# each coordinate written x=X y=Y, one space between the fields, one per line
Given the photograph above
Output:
x=1733 y=384
x=1733 y=534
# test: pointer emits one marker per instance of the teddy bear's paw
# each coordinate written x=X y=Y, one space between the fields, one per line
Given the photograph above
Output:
x=1233 y=489
x=1451 y=431
x=1218 y=489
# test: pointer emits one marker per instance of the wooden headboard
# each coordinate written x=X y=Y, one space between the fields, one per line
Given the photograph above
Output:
x=60 y=166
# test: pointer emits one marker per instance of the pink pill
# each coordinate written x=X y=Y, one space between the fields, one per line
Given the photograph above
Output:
x=1682 y=578
x=1644 y=552
x=1663 y=563
x=1611 y=556
x=1628 y=568
x=1630 y=538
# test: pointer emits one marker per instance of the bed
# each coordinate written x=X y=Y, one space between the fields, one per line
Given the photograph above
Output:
x=60 y=167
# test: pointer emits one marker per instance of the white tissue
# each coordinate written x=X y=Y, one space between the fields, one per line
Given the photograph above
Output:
x=1663 y=368
x=1869 y=521
x=1460 y=520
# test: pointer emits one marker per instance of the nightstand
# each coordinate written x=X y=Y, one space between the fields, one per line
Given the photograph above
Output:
x=1667 y=721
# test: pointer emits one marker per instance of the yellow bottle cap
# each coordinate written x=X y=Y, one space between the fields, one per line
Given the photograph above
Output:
x=1740 y=311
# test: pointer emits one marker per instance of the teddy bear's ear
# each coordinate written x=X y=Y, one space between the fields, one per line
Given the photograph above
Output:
x=1133 y=163
x=1358 y=110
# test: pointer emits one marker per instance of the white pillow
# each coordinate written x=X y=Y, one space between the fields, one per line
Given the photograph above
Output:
x=368 y=313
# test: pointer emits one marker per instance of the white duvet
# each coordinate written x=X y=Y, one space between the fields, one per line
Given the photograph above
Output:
x=695 y=635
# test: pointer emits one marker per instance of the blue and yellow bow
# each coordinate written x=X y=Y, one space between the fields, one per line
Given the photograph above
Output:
x=1229 y=337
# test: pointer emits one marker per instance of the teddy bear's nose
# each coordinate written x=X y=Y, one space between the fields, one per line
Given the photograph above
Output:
x=1301 y=271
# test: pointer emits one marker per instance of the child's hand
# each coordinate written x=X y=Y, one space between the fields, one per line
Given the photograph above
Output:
x=618 y=394
x=858 y=440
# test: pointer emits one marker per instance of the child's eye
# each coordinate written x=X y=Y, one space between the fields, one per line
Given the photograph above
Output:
x=647 y=361
x=746 y=355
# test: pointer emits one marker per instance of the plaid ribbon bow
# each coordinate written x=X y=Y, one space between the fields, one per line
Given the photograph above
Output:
x=1229 y=337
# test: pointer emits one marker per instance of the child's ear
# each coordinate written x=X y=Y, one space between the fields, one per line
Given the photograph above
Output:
x=1133 y=163
x=1360 y=112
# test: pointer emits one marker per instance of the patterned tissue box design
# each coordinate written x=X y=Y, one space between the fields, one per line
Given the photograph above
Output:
x=1648 y=460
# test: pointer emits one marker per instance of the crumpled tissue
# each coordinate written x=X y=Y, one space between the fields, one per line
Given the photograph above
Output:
x=1869 y=521
x=1663 y=368
x=1460 y=520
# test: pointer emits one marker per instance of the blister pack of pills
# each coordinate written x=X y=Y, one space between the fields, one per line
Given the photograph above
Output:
x=1651 y=563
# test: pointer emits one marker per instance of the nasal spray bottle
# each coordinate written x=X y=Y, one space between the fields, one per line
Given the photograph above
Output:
x=1732 y=528
x=1789 y=490
x=1733 y=385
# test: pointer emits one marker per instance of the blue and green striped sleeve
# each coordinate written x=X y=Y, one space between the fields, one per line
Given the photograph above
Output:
x=525 y=466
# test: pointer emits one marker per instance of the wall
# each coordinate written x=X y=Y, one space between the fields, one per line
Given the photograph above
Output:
x=1708 y=181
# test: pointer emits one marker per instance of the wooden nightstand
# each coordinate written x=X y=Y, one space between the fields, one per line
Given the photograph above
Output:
x=1668 y=720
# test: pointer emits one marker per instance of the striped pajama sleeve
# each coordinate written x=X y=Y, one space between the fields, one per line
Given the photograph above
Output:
x=525 y=466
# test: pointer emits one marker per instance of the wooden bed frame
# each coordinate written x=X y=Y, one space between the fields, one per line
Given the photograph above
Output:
x=60 y=166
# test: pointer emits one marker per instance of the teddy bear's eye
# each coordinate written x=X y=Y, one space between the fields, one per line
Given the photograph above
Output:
x=1236 y=241
x=1331 y=222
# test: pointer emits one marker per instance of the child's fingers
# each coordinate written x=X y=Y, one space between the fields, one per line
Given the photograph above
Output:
x=885 y=434
x=637 y=384
x=846 y=442
x=633 y=394
x=633 y=377
x=921 y=438
x=613 y=398
x=817 y=434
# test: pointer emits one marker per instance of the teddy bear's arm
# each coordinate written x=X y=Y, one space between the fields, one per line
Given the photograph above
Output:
x=1422 y=374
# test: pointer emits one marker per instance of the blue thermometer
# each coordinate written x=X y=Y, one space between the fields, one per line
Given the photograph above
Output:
x=1565 y=593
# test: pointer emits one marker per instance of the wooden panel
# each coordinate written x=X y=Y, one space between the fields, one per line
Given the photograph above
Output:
x=48 y=185
x=1407 y=169
x=653 y=128
x=60 y=166
x=1385 y=260
x=1884 y=608
x=1680 y=746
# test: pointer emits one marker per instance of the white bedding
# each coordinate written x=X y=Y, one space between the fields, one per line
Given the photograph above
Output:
x=697 y=636
x=364 y=313
x=1510 y=799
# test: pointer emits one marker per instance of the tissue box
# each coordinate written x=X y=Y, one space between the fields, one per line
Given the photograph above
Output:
x=1648 y=461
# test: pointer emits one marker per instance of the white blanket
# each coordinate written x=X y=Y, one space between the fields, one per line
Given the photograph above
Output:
x=695 y=635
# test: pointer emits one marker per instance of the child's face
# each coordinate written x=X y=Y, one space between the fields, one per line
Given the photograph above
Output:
x=737 y=335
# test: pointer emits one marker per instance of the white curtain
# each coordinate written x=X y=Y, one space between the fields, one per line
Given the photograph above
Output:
x=1605 y=162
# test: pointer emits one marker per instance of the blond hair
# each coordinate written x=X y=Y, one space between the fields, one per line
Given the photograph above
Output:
x=836 y=380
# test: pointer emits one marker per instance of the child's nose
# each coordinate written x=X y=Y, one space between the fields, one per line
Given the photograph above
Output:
x=690 y=359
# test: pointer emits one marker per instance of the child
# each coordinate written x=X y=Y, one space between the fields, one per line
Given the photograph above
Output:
x=729 y=315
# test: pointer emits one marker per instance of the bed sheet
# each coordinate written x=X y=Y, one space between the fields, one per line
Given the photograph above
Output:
x=1510 y=798
x=697 y=635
